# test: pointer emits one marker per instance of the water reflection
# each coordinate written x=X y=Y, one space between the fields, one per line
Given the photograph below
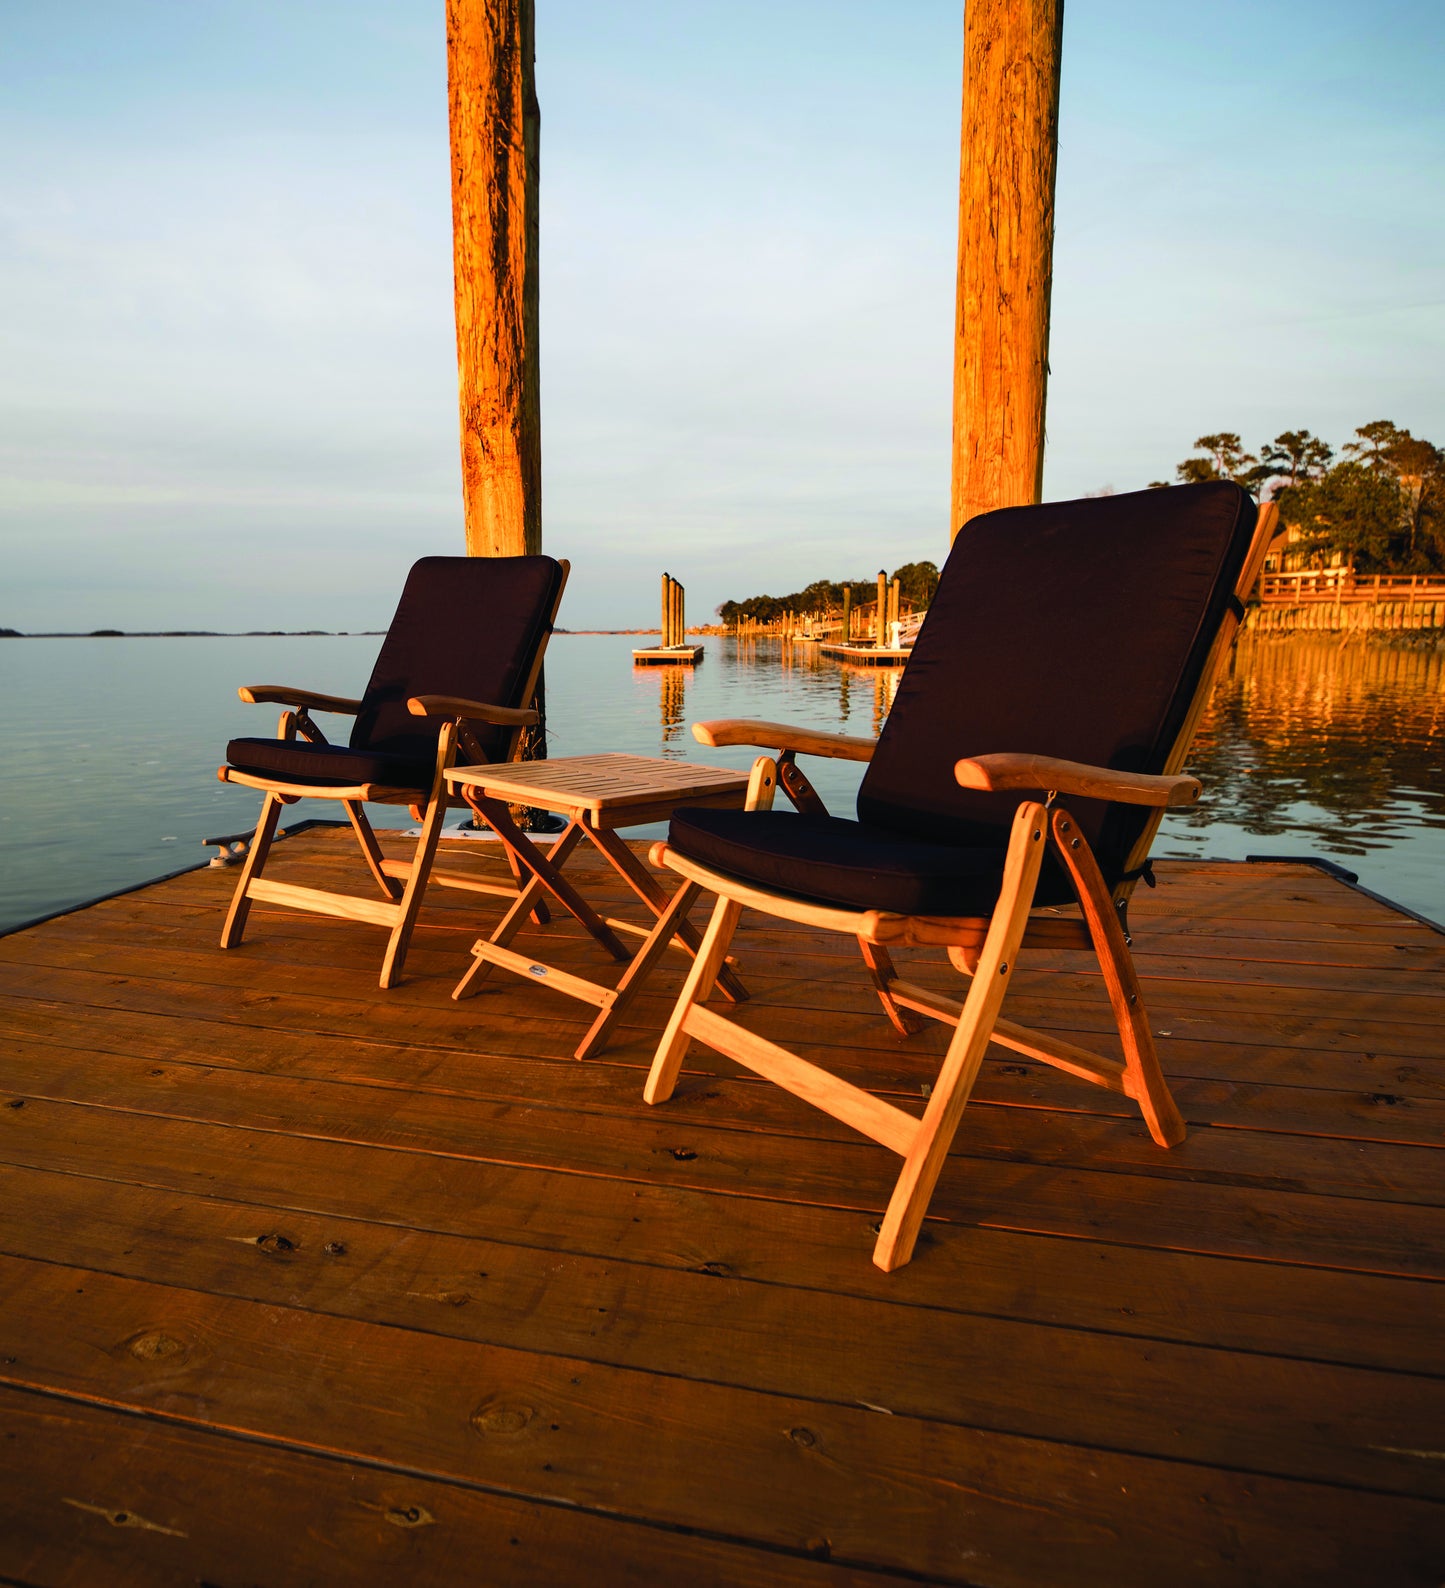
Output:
x=1329 y=748
x=1310 y=746
x=805 y=673
x=672 y=708
x=1339 y=741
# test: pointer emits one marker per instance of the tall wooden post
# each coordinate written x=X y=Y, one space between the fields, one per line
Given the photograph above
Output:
x=847 y=612
x=495 y=131
x=880 y=612
x=1011 y=52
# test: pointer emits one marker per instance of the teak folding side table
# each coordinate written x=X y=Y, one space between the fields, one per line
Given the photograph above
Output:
x=598 y=794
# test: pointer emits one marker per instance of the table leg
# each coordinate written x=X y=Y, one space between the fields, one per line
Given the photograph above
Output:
x=655 y=897
x=540 y=913
x=636 y=973
x=496 y=815
x=526 y=903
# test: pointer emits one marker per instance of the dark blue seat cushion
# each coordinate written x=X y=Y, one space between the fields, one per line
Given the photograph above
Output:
x=1074 y=629
x=330 y=765
x=835 y=861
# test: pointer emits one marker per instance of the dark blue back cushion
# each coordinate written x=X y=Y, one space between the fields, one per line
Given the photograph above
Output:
x=1073 y=629
x=464 y=626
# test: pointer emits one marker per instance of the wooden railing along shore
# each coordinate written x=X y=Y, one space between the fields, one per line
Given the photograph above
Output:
x=1340 y=600
x=1343 y=584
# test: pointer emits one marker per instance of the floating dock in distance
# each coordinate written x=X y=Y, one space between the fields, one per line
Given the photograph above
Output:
x=668 y=655
x=864 y=655
x=674 y=650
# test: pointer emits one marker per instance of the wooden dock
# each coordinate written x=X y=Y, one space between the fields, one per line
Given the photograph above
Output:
x=667 y=655
x=866 y=655
x=306 y=1283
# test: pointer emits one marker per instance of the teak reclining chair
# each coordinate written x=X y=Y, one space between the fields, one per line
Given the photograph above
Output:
x=1067 y=657
x=456 y=674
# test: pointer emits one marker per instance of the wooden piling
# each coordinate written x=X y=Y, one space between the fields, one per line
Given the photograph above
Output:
x=880 y=613
x=1005 y=252
x=495 y=131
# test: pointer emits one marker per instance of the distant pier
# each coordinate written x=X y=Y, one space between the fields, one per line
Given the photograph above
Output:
x=674 y=650
x=866 y=655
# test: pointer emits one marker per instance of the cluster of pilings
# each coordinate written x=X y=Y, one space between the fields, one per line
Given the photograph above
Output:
x=885 y=612
x=674 y=647
x=674 y=618
x=860 y=623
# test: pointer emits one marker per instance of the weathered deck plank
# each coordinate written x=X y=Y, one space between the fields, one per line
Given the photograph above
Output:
x=400 y=1277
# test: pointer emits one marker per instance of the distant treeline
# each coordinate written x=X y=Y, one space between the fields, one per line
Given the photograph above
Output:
x=916 y=583
x=185 y=634
x=1379 y=506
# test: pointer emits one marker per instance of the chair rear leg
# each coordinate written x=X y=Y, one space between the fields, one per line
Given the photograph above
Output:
x=880 y=966
x=235 y=926
x=371 y=849
x=1143 y=1079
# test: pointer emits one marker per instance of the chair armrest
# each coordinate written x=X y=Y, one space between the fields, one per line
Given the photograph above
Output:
x=471 y=710
x=778 y=736
x=303 y=699
x=1004 y=772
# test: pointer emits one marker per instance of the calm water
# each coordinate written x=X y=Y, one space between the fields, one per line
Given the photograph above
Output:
x=110 y=747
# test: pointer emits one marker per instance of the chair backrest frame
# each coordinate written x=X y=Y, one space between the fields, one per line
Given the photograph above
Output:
x=1264 y=531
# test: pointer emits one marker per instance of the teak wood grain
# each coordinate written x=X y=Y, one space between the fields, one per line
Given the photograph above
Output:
x=297 y=1275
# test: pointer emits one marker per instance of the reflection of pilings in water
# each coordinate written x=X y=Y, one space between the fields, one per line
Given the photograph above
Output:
x=845 y=690
x=885 y=688
x=1409 y=611
x=1311 y=687
x=672 y=701
x=1316 y=737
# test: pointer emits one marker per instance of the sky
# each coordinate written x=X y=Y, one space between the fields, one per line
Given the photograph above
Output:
x=227 y=353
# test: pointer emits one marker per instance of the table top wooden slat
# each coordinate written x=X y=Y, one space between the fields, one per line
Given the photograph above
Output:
x=601 y=783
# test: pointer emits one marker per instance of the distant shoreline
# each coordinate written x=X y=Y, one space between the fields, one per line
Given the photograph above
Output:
x=271 y=634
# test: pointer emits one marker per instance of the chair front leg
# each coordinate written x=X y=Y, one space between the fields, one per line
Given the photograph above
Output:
x=421 y=863
x=711 y=955
x=1143 y=1079
x=235 y=926
x=927 y=1155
